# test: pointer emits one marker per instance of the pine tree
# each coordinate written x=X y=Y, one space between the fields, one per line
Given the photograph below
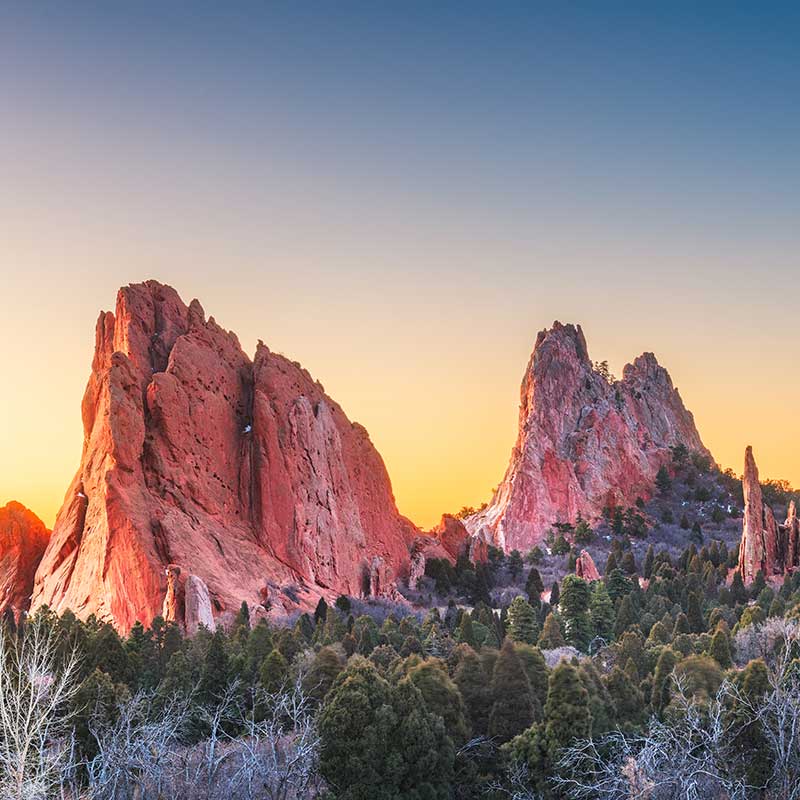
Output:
x=647 y=570
x=662 y=679
x=534 y=587
x=738 y=590
x=625 y=616
x=377 y=741
x=627 y=700
x=522 y=623
x=475 y=689
x=602 y=612
x=536 y=669
x=694 y=613
x=322 y=673
x=566 y=710
x=441 y=697
x=512 y=707
x=551 y=636
x=574 y=606
x=465 y=632
x=214 y=674
x=555 y=594
x=274 y=671
x=720 y=649
x=663 y=480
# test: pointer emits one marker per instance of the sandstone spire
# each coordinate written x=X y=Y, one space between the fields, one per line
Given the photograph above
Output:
x=760 y=547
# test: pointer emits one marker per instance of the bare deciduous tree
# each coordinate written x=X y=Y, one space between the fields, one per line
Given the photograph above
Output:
x=35 y=690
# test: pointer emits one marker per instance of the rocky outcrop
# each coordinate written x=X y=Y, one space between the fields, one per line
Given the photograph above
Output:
x=198 y=606
x=451 y=535
x=240 y=473
x=585 y=440
x=585 y=567
x=766 y=546
x=23 y=539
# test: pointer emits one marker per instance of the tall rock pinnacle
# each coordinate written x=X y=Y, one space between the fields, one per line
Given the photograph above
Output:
x=200 y=463
x=765 y=545
x=585 y=441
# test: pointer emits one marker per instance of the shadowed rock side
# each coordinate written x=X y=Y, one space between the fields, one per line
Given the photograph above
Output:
x=200 y=463
x=584 y=441
x=766 y=545
x=23 y=539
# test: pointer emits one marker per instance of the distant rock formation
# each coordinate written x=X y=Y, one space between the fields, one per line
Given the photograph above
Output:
x=585 y=567
x=23 y=539
x=448 y=540
x=242 y=475
x=585 y=440
x=766 y=546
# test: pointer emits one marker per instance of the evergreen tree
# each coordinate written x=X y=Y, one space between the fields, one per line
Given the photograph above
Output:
x=380 y=742
x=662 y=679
x=574 y=605
x=627 y=700
x=663 y=480
x=214 y=674
x=512 y=706
x=534 y=587
x=566 y=711
x=441 y=697
x=647 y=570
x=720 y=649
x=322 y=673
x=522 y=623
x=465 y=632
x=602 y=611
x=475 y=689
x=274 y=671
x=536 y=669
x=555 y=594
x=694 y=613
x=551 y=636
x=625 y=616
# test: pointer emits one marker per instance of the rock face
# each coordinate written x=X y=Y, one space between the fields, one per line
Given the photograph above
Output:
x=765 y=545
x=584 y=441
x=23 y=539
x=243 y=474
x=585 y=567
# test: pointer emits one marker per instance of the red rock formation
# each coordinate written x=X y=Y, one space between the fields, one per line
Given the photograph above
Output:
x=242 y=473
x=583 y=440
x=765 y=545
x=23 y=539
x=452 y=535
x=585 y=567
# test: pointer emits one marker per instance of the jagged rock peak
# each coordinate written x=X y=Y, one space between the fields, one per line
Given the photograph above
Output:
x=23 y=539
x=240 y=473
x=584 y=441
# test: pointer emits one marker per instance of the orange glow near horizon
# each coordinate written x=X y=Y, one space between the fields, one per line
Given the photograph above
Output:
x=439 y=399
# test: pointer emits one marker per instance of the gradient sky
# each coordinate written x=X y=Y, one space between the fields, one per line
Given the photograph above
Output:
x=400 y=196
